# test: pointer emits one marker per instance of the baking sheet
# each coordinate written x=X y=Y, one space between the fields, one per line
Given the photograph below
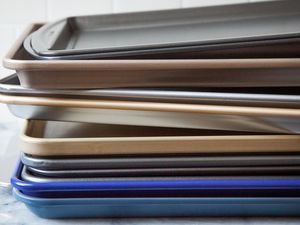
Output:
x=49 y=138
x=289 y=47
x=215 y=193
x=218 y=117
x=25 y=181
x=257 y=186
x=272 y=97
x=166 y=31
x=70 y=74
x=37 y=178
x=159 y=207
x=163 y=161
x=168 y=172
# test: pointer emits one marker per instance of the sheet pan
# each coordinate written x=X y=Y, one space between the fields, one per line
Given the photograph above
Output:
x=251 y=49
x=280 y=186
x=158 y=207
x=272 y=97
x=49 y=138
x=25 y=181
x=37 y=178
x=179 y=186
x=70 y=74
x=169 y=31
x=219 y=117
x=163 y=161
x=167 y=172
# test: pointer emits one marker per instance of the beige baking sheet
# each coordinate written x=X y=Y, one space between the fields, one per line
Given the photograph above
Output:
x=48 y=138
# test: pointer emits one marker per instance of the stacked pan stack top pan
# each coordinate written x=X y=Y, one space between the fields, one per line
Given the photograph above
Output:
x=190 y=112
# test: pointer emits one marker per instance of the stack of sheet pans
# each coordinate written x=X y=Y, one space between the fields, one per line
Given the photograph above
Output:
x=190 y=112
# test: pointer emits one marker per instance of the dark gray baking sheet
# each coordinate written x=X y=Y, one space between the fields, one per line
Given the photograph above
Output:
x=28 y=176
x=167 y=31
x=256 y=96
x=279 y=48
x=169 y=161
x=169 y=172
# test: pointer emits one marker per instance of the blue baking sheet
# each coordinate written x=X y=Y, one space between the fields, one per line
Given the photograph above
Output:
x=159 y=207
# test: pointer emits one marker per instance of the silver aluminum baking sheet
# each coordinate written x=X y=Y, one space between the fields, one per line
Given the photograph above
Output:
x=169 y=172
x=151 y=161
x=158 y=119
x=264 y=96
x=28 y=176
x=154 y=31
x=266 y=124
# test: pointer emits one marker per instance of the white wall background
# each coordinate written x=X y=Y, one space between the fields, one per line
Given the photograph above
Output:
x=16 y=14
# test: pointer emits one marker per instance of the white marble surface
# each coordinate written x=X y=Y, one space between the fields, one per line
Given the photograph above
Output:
x=13 y=212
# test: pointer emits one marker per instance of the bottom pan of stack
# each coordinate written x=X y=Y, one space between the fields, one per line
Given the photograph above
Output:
x=159 y=207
